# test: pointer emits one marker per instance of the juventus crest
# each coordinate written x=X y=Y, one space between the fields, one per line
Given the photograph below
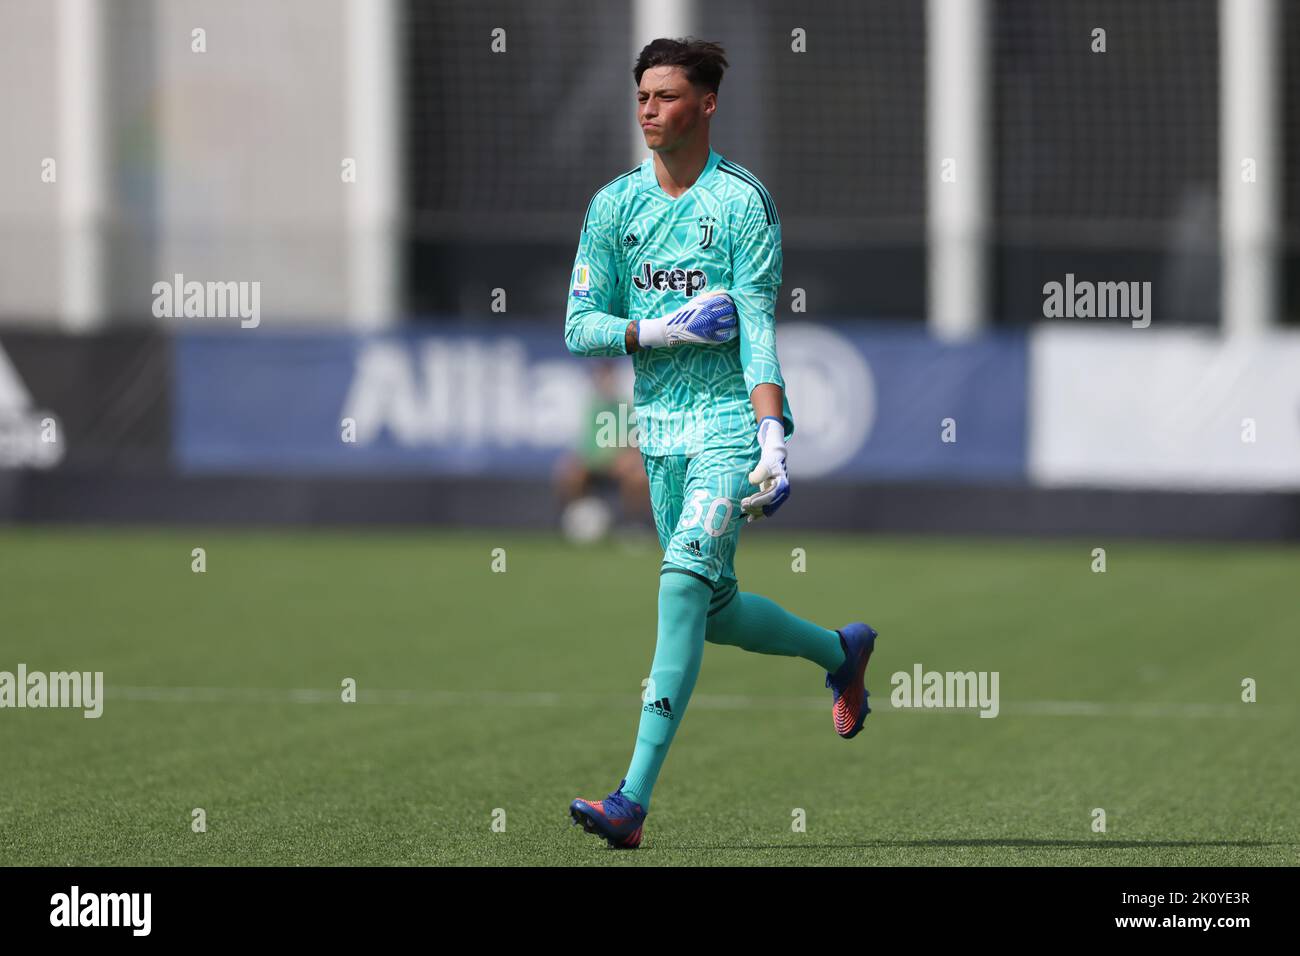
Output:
x=706 y=230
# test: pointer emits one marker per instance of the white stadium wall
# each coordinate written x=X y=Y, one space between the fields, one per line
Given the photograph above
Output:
x=250 y=142
x=215 y=155
x=29 y=209
x=1167 y=409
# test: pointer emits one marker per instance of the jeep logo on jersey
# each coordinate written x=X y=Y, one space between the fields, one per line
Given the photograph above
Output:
x=690 y=281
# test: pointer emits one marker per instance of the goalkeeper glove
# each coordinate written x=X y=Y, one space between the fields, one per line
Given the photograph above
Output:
x=710 y=320
x=770 y=475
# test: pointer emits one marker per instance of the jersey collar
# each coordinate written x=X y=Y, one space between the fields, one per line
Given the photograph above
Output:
x=650 y=181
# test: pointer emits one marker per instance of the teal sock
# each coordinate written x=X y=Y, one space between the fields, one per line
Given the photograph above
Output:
x=752 y=622
x=683 y=605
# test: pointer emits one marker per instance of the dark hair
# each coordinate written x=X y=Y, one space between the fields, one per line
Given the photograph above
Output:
x=703 y=61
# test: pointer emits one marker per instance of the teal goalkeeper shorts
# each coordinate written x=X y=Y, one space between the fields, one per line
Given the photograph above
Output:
x=696 y=504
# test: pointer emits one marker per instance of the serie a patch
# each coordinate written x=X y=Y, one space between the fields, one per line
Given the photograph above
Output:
x=582 y=281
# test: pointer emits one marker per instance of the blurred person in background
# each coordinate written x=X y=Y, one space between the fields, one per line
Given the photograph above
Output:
x=605 y=458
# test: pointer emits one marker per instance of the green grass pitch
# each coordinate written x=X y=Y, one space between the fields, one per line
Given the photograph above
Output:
x=489 y=696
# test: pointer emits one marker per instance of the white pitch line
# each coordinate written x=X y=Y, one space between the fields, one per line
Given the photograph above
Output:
x=500 y=698
x=1083 y=708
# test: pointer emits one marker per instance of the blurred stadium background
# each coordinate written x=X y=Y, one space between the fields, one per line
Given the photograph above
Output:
x=214 y=141
x=407 y=181
x=382 y=172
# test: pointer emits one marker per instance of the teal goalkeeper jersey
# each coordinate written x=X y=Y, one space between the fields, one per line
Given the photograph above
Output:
x=642 y=254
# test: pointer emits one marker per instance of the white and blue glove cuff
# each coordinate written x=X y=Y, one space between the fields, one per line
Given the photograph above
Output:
x=771 y=431
x=652 y=333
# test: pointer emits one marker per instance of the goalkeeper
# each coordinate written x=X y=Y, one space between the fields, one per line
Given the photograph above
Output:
x=678 y=265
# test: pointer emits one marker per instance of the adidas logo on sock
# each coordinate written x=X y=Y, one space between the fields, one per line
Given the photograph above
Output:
x=660 y=707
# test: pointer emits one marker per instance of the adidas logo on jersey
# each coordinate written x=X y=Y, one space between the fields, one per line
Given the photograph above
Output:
x=631 y=240
x=660 y=707
x=689 y=281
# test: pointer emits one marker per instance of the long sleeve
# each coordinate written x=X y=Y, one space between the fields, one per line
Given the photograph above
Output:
x=596 y=320
x=756 y=277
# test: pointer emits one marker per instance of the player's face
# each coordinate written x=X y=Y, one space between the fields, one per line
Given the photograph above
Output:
x=669 y=109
